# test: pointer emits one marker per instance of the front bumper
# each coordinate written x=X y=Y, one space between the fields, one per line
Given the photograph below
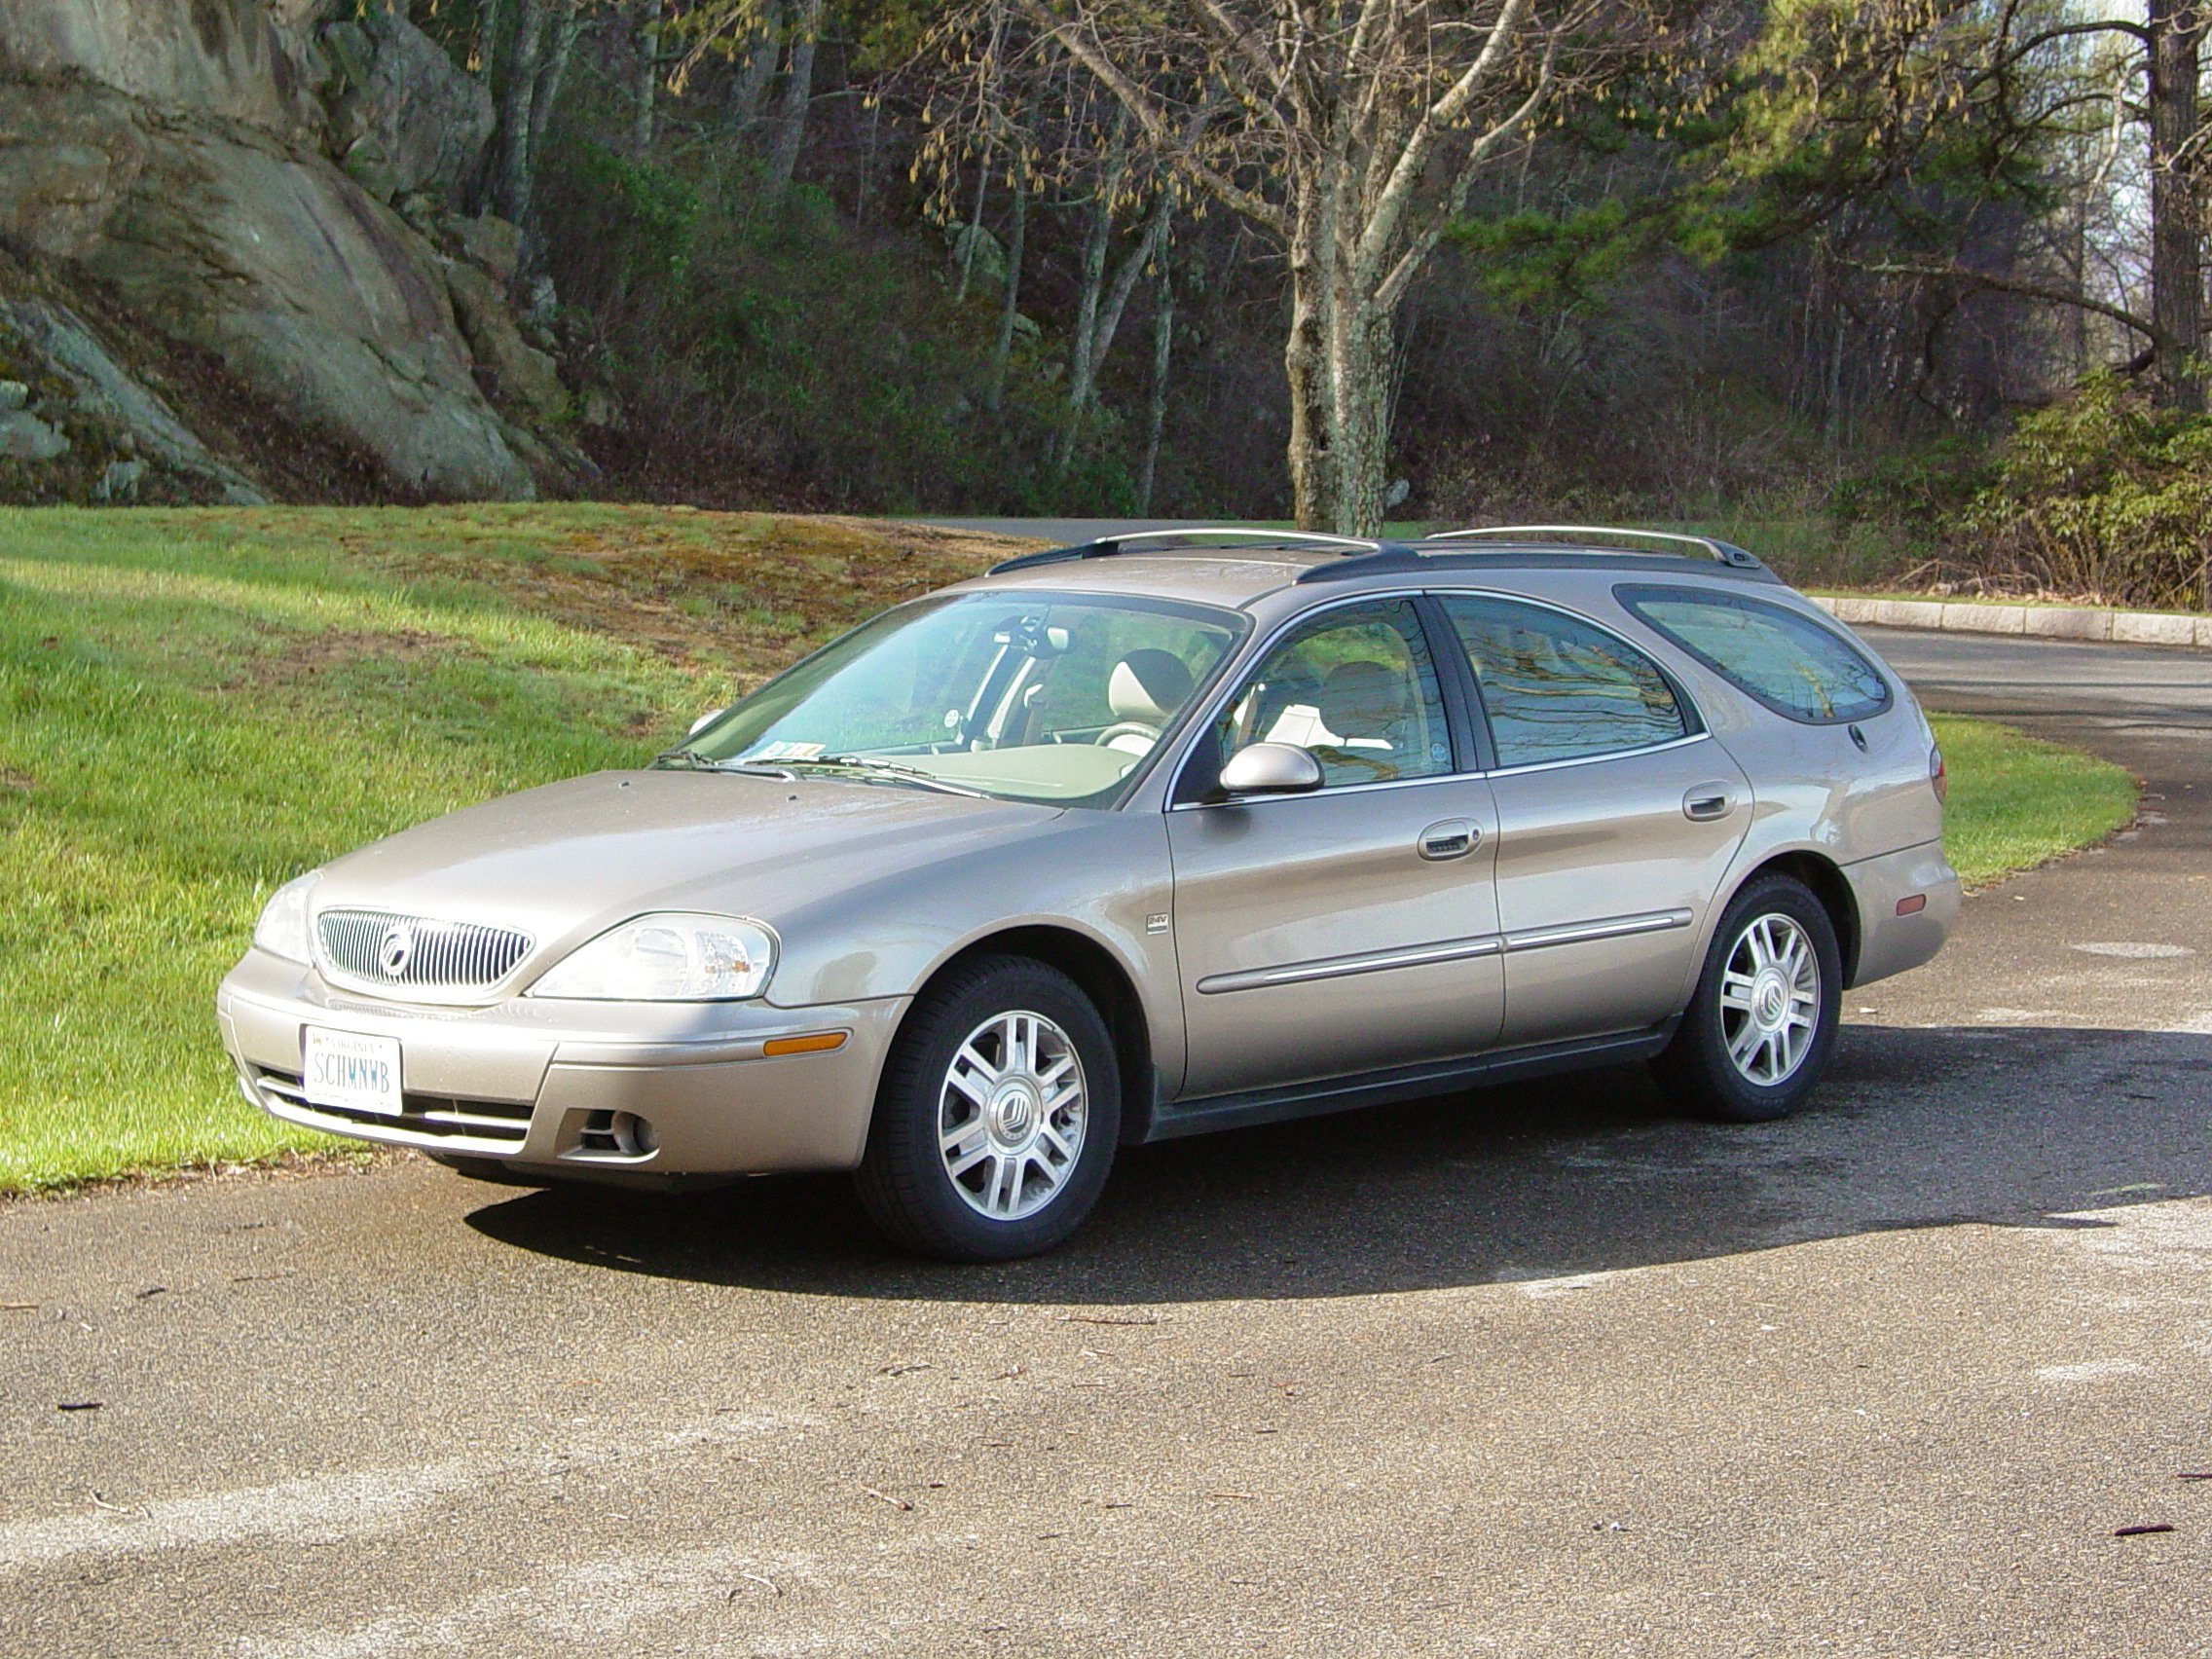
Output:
x=559 y=1088
x=1888 y=942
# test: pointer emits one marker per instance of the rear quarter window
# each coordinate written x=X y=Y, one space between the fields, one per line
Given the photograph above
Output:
x=1797 y=667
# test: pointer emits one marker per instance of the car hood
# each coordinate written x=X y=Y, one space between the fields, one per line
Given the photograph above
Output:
x=567 y=860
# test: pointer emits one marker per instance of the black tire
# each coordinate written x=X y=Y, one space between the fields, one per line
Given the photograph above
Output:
x=903 y=1178
x=1697 y=1068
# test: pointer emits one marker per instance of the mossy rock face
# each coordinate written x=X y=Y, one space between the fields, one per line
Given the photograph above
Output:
x=78 y=428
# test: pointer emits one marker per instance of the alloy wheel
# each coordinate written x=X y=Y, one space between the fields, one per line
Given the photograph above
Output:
x=1011 y=1115
x=1770 y=999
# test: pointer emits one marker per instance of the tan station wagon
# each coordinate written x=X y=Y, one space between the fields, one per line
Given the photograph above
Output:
x=1163 y=834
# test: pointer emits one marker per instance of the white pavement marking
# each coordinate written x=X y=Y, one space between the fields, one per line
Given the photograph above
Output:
x=2134 y=950
x=596 y=1601
x=346 y=1505
x=2089 y=1371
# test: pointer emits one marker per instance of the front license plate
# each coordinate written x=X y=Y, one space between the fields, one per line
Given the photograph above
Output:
x=352 y=1072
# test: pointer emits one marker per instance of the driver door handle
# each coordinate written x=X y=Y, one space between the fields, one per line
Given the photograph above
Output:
x=1453 y=838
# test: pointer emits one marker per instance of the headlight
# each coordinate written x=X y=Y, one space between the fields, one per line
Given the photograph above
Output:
x=667 y=958
x=283 y=930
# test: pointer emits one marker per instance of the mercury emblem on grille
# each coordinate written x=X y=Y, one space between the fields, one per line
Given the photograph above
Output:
x=396 y=950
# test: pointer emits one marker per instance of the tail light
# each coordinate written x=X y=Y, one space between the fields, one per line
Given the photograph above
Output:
x=1937 y=776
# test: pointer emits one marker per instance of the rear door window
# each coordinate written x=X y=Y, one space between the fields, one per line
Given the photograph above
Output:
x=1796 y=666
x=1558 y=688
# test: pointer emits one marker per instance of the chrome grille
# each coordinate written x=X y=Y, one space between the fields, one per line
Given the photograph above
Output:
x=375 y=948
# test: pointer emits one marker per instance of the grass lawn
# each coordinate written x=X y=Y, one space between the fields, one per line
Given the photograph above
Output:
x=195 y=705
x=2018 y=801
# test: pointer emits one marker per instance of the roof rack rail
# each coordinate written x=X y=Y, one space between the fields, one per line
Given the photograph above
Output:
x=1726 y=552
x=1105 y=546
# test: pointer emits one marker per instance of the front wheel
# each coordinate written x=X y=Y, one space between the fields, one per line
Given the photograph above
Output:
x=1758 y=1032
x=998 y=1116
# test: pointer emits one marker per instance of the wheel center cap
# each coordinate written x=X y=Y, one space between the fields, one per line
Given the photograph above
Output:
x=1013 y=1112
x=1770 y=1000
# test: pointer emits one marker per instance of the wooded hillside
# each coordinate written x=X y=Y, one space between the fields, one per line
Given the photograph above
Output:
x=1428 y=258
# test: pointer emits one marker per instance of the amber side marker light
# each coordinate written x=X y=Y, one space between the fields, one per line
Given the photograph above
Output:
x=814 y=1043
x=1911 y=907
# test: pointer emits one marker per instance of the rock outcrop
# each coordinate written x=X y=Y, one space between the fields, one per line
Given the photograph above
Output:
x=271 y=182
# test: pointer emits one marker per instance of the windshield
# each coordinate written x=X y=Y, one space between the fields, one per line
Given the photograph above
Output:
x=1028 y=696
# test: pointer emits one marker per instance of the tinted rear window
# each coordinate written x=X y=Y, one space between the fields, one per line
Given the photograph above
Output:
x=1793 y=664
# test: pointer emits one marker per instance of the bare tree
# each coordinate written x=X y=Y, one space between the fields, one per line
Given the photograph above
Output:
x=645 y=19
x=525 y=47
x=1156 y=399
x=2035 y=78
x=1350 y=132
x=799 y=94
x=1101 y=299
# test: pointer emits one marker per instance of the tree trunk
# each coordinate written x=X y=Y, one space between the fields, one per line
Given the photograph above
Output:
x=1156 y=405
x=1091 y=289
x=644 y=73
x=514 y=52
x=2177 y=241
x=527 y=46
x=1360 y=398
x=973 y=232
x=1009 y=306
x=1105 y=319
x=1312 y=467
x=564 y=24
x=1339 y=364
x=798 y=97
x=755 y=67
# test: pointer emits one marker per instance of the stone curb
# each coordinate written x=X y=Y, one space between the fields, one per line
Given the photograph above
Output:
x=2035 y=621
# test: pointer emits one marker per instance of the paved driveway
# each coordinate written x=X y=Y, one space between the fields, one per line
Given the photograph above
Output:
x=1533 y=1372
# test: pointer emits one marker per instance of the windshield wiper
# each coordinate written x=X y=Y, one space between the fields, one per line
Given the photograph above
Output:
x=868 y=763
x=691 y=760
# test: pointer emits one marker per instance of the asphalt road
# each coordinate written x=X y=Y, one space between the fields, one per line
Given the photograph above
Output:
x=1533 y=1372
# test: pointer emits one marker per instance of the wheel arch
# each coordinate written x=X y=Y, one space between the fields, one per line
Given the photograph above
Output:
x=1103 y=978
x=1825 y=879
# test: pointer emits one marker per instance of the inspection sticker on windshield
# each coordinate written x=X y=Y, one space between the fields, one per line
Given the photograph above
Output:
x=350 y=1072
x=786 y=750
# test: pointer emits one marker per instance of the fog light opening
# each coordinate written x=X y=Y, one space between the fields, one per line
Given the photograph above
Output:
x=618 y=1134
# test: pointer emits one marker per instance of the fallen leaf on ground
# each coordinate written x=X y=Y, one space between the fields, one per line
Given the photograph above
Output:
x=2139 y=1531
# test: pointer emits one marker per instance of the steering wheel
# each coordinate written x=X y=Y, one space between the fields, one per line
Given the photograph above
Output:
x=1127 y=728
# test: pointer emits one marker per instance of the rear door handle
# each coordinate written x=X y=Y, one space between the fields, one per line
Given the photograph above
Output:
x=1453 y=838
x=1709 y=802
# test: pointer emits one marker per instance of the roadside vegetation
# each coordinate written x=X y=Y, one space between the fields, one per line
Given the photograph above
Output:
x=196 y=705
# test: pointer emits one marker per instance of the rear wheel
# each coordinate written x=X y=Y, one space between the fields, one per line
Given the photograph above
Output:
x=998 y=1115
x=1758 y=1032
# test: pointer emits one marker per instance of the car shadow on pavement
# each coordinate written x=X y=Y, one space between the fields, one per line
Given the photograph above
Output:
x=2014 y=1127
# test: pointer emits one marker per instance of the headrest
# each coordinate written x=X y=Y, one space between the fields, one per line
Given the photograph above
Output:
x=1148 y=685
x=1362 y=699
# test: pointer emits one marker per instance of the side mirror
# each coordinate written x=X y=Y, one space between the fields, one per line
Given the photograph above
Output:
x=1271 y=768
x=705 y=720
